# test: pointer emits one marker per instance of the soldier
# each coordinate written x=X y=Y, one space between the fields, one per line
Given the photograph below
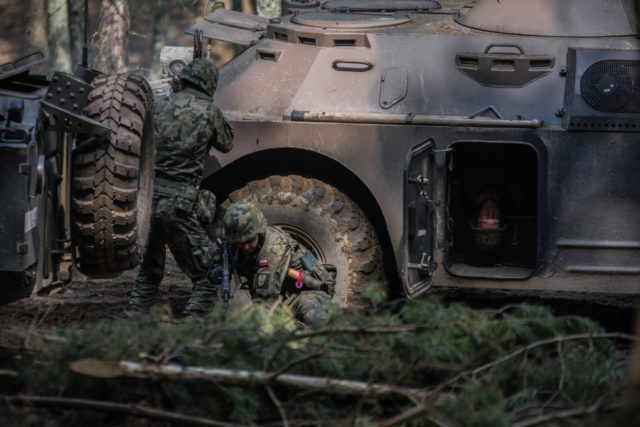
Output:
x=187 y=124
x=276 y=266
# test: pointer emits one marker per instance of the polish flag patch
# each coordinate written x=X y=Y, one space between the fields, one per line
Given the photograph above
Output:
x=263 y=262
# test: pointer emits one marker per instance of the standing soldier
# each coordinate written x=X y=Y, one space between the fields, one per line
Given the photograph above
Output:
x=276 y=266
x=187 y=124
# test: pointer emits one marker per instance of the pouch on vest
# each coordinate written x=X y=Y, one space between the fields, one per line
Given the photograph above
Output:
x=184 y=203
x=183 y=206
x=308 y=261
x=206 y=207
x=324 y=273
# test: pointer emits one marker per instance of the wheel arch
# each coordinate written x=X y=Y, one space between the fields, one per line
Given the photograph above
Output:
x=295 y=161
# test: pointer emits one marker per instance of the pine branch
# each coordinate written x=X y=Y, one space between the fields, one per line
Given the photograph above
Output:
x=112 y=407
x=561 y=379
x=298 y=361
x=553 y=340
x=434 y=415
x=407 y=415
x=124 y=369
x=525 y=349
x=364 y=330
x=7 y=349
x=567 y=413
x=427 y=407
x=276 y=401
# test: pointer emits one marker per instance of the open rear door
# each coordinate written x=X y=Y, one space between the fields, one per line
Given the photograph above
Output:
x=420 y=219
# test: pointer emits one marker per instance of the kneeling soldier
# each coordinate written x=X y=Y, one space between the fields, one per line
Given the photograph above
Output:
x=276 y=266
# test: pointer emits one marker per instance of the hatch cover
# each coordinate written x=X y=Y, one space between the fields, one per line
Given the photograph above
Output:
x=381 y=5
x=350 y=21
x=553 y=18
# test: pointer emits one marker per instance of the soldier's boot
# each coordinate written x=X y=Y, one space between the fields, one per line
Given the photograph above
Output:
x=143 y=297
x=202 y=299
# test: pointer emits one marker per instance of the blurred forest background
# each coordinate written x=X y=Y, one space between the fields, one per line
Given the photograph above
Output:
x=124 y=35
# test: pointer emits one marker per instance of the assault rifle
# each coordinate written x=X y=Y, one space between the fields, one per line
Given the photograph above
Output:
x=226 y=275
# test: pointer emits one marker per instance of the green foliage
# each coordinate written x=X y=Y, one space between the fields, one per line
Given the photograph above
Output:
x=455 y=352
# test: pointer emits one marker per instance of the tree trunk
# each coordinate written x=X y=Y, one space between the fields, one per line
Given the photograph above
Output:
x=162 y=14
x=76 y=30
x=58 y=29
x=37 y=27
x=247 y=7
x=111 y=39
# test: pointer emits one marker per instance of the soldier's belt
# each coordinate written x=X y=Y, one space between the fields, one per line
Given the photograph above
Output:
x=185 y=190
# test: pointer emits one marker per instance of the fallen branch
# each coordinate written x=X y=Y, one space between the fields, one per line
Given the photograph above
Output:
x=112 y=407
x=297 y=361
x=407 y=415
x=567 y=413
x=427 y=407
x=525 y=349
x=171 y=372
x=554 y=340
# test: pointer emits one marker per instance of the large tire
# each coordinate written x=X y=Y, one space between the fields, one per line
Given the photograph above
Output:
x=113 y=184
x=324 y=220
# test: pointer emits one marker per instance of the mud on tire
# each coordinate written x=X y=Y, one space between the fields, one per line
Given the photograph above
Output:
x=112 y=186
x=324 y=220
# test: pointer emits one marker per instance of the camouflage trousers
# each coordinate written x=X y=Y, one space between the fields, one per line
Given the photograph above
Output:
x=310 y=307
x=174 y=224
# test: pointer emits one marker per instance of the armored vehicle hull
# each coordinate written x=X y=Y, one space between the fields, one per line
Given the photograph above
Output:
x=409 y=115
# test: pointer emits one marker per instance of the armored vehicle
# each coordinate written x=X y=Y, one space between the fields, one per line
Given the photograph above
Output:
x=492 y=146
x=76 y=162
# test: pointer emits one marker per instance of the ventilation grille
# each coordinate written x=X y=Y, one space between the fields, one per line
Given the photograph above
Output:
x=612 y=86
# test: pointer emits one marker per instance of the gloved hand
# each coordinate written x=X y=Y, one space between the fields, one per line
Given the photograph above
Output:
x=215 y=275
x=329 y=287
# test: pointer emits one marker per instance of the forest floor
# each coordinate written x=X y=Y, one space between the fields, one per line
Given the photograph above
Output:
x=80 y=303
x=83 y=302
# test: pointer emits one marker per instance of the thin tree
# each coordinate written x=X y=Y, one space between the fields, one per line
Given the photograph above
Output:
x=58 y=29
x=37 y=27
x=76 y=30
x=247 y=7
x=112 y=38
x=162 y=15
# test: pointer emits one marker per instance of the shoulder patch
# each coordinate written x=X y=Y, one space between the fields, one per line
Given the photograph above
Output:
x=262 y=280
x=263 y=262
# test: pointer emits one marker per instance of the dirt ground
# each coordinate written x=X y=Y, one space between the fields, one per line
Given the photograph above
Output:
x=80 y=303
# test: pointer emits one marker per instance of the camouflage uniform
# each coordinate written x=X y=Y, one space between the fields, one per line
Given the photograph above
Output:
x=266 y=268
x=187 y=124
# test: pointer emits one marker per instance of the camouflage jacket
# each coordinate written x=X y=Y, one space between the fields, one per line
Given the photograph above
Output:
x=186 y=128
x=266 y=270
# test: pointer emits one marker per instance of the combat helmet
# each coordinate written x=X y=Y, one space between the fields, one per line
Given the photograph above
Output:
x=202 y=74
x=242 y=222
